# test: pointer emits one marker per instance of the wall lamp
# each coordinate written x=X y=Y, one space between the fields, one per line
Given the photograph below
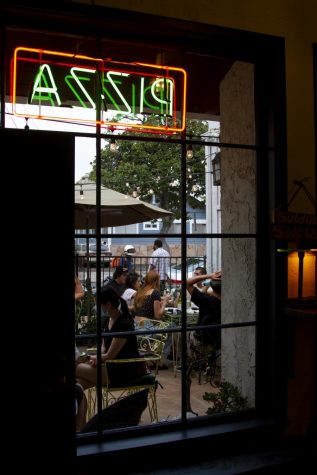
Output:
x=216 y=169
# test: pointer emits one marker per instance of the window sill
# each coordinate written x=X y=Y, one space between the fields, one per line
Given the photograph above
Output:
x=183 y=444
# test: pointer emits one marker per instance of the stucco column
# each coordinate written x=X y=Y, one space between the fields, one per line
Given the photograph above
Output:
x=238 y=215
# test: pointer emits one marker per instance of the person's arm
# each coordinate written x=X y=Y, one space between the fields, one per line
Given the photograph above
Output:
x=79 y=290
x=159 y=306
x=153 y=262
x=199 y=278
x=116 y=345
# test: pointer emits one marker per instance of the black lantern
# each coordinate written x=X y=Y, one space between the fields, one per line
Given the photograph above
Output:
x=216 y=169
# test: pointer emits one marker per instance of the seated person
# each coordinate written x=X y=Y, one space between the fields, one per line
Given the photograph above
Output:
x=148 y=304
x=133 y=284
x=118 y=281
x=118 y=320
x=203 y=286
x=209 y=307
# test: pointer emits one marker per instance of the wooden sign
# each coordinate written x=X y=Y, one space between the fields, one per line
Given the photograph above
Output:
x=294 y=226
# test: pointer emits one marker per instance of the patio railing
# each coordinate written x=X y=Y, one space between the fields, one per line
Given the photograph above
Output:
x=86 y=267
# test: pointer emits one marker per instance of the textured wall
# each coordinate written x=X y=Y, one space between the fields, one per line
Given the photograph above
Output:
x=238 y=206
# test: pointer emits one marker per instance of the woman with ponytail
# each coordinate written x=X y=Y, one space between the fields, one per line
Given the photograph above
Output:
x=114 y=347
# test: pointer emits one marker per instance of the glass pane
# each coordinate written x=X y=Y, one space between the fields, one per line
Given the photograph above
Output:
x=221 y=190
x=226 y=372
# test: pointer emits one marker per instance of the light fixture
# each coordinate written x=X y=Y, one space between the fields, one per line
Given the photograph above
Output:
x=134 y=193
x=189 y=152
x=302 y=273
x=113 y=144
x=81 y=192
x=216 y=169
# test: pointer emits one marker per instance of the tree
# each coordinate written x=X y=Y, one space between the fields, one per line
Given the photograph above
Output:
x=152 y=170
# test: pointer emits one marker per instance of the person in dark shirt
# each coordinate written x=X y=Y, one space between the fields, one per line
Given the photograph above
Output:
x=118 y=281
x=209 y=307
x=114 y=347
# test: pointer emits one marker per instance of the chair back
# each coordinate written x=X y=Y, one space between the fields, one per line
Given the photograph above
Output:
x=152 y=344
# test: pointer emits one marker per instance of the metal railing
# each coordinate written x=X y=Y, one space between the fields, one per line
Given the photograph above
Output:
x=86 y=267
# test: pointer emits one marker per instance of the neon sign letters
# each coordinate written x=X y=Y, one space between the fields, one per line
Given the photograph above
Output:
x=113 y=94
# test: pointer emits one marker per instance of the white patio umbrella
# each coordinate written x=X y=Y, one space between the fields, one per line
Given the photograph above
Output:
x=116 y=208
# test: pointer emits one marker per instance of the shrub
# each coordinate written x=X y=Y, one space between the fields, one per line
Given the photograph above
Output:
x=227 y=399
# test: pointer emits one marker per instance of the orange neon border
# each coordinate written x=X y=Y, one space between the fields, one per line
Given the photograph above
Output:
x=139 y=127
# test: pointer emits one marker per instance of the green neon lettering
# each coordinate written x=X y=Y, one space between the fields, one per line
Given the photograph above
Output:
x=133 y=99
x=45 y=93
x=168 y=88
x=112 y=100
x=78 y=80
x=113 y=83
x=145 y=101
x=157 y=96
x=141 y=95
x=68 y=79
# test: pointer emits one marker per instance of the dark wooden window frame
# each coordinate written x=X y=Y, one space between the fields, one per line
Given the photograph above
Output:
x=267 y=55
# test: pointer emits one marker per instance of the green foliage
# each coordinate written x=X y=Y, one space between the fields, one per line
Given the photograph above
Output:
x=90 y=326
x=88 y=301
x=85 y=307
x=227 y=399
x=154 y=168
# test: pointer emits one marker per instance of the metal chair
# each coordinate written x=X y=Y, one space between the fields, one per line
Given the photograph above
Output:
x=150 y=349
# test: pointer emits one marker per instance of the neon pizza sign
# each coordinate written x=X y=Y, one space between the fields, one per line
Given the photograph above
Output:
x=115 y=95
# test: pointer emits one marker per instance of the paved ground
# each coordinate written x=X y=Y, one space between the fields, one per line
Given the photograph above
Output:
x=169 y=397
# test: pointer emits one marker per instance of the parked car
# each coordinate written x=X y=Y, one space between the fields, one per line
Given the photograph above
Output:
x=92 y=253
x=104 y=248
x=192 y=263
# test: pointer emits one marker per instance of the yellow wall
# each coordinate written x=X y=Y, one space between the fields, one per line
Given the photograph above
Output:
x=296 y=21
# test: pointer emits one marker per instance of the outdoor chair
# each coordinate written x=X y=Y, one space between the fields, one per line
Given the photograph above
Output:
x=150 y=348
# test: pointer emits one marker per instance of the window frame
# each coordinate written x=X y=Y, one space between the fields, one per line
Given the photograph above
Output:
x=267 y=55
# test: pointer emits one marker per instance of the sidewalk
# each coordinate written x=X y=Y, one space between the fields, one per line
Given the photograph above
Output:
x=169 y=397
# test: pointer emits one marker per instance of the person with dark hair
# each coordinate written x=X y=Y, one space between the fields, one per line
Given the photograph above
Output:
x=118 y=281
x=200 y=285
x=133 y=284
x=160 y=262
x=209 y=306
x=114 y=347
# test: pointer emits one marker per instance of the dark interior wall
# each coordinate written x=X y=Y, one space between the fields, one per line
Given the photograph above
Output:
x=315 y=109
x=39 y=219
